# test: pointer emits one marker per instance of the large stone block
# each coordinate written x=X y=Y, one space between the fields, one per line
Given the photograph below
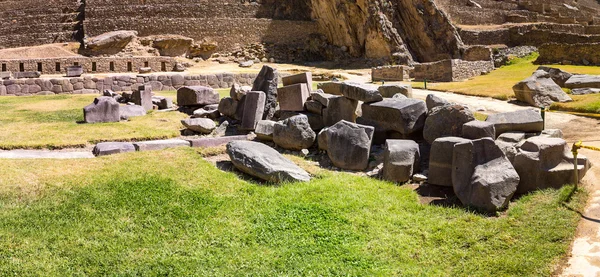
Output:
x=401 y=160
x=434 y=101
x=104 y=109
x=265 y=129
x=440 y=160
x=302 y=78
x=254 y=106
x=583 y=81
x=540 y=90
x=478 y=129
x=349 y=145
x=200 y=125
x=111 y=148
x=547 y=163
x=214 y=142
x=406 y=116
x=322 y=98
x=359 y=92
x=294 y=133
x=446 y=121
x=197 y=96
x=266 y=81
x=334 y=88
x=528 y=121
x=129 y=111
x=388 y=91
x=292 y=97
x=143 y=97
x=74 y=71
x=339 y=108
x=228 y=107
x=482 y=177
x=160 y=144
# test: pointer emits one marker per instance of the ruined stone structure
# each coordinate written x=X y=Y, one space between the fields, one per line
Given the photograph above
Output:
x=451 y=70
x=566 y=53
x=90 y=65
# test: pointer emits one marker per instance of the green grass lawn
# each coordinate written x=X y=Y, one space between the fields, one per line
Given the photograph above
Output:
x=498 y=84
x=172 y=213
x=52 y=122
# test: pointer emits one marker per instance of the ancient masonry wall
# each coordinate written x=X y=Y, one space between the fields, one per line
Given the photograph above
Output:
x=95 y=85
x=563 y=53
x=451 y=70
x=391 y=73
x=90 y=65
x=532 y=35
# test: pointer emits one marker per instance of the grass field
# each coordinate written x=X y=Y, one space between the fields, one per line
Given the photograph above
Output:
x=498 y=84
x=55 y=122
x=172 y=213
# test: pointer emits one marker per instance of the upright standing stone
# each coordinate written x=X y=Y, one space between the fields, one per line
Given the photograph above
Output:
x=401 y=160
x=266 y=81
x=440 y=160
x=104 y=109
x=197 y=96
x=143 y=97
x=254 y=106
x=292 y=97
x=339 y=108
x=302 y=78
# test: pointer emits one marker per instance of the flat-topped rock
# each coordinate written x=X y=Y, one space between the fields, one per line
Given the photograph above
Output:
x=200 y=125
x=389 y=91
x=360 y=92
x=528 y=121
x=446 y=121
x=103 y=109
x=160 y=144
x=401 y=160
x=406 y=116
x=215 y=142
x=128 y=111
x=583 y=81
x=111 y=148
x=540 y=90
x=197 y=96
x=349 y=145
x=440 y=160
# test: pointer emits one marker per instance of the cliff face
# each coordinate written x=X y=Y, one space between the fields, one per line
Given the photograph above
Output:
x=408 y=30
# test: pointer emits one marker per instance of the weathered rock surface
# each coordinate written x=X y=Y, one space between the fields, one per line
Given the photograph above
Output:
x=294 y=133
x=509 y=143
x=171 y=45
x=143 y=97
x=264 y=162
x=540 y=90
x=339 y=108
x=266 y=81
x=349 y=145
x=160 y=144
x=478 y=129
x=546 y=163
x=322 y=98
x=111 y=148
x=197 y=96
x=254 y=106
x=440 y=160
x=401 y=160
x=406 y=116
x=104 y=109
x=446 y=121
x=585 y=91
x=389 y=91
x=359 y=92
x=228 y=107
x=482 y=176
x=528 y=121
x=128 y=111
x=333 y=88
x=109 y=43
x=559 y=76
x=301 y=78
x=433 y=101
x=583 y=81
x=264 y=130
x=293 y=97
x=200 y=125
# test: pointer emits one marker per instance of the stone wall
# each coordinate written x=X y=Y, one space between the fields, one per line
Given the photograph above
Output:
x=391 y=73
x=451 y=70
x=567 y=53
x=90 y=65
x=530 y=35
x=95 y=85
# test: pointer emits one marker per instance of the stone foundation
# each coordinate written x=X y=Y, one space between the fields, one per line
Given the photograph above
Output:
x=90 y=65
x=566 y=53
x=452 y=70
x=95 y=85
x=391 y=73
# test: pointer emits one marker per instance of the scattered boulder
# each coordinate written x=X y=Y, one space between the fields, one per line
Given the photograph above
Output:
x=196 y=96
x=293 y=97
x=540 y=90
x=585 y=91
x=104 y=109
x=266 y=81
x=314 y=107
x=265 y=129
x=111 y=148
x=110 y=43
x=294 y=133
x=322 y=98
x=509 y=143
x=583 y=81
x=528 y=121
x=237 y=92
x=559 y=76
x=322 y=139
x=339 y=108
x=200 y=125
x=546 y=163
x=264 y=162
x=129 y=111
x=482 y=176
x=389 y=91
x=440 y=160
x=478 y=129
x=433 y=101
x=446 y=121
x=143 y=97
x=154 y=145
x=163 y=103
x=207 y=112
x=302 y=78
x=359 y=92
x=171 y=45
x=228 y=107
x=401 y=160
x=334 y=88
x=246 y=64
x=349 y=145
x=254 y=105
x=406 y=116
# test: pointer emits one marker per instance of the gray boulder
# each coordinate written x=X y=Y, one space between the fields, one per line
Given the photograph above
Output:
x=389 y=91
x=196 y=96
x=546 y=163
x=585 y=91
x=154 y=145
x=129 y=111
x=322 y=98
x=440 y=160
x=433 y=101
x=528 y=121
x=237 y=91
x=334 y=88
x=266 y=81
x=583 y=81
x=163 y=103
x=359 y=92
x=482 y=177
x=109 y=43
x=401 y=160
x=349 y=145
x=322 y=139
x=200 y=125
x=399 y=96
x=446 y=121
x=253 y=109
x=406 y=116
x=294 y=133
x=264 y=130
x=111 y=148
x=509 y=144
x=478 y=129
x=559 y=76
x=104 y=109
x=264 y=162
x=540 y=90
x=228 y=107
x=340 y=108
